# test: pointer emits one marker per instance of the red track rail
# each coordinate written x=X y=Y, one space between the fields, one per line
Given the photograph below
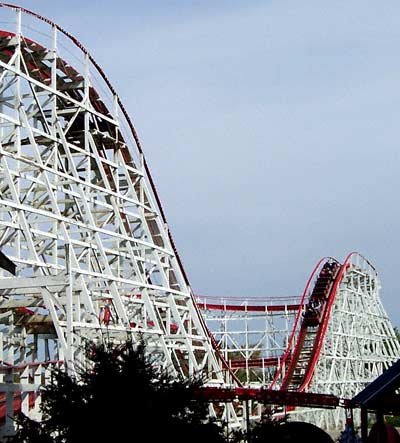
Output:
x=325 y=320
x=287 y=354
x=298 y=307
x=324 y=290
x=268 y=396
x=301 y=328
x=247 y=308
x=100 y=107
x=78 y=44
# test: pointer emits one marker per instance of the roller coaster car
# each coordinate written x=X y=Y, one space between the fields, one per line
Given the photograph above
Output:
x=311 y=316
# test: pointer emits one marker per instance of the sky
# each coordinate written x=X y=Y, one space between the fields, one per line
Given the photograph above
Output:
x=271 y=129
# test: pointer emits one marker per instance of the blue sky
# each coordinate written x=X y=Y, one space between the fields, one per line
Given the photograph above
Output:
x=271 y=129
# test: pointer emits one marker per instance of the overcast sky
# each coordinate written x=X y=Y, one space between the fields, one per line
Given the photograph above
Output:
x=271 y=129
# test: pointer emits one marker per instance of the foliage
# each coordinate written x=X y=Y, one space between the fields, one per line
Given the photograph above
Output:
x=268 y=429
x=271 y=429
x=393 y=420
x=122 y=398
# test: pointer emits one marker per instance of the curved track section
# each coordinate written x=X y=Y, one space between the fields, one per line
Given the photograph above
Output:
x=357 y=338
x=80 y=216
x=301 y=360
x=82 y=221
x=337 y=340
x=296 y=339
x=252 y=333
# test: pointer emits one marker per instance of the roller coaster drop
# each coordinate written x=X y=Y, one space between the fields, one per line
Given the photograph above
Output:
x=81 y=219
x=334 y=339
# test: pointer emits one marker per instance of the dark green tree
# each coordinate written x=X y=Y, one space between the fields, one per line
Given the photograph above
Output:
x=267 y=429
x=122 y=398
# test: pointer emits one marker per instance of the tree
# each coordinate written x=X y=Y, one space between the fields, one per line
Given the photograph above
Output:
x=281 y=430
x=122 y=398
x=267 y=429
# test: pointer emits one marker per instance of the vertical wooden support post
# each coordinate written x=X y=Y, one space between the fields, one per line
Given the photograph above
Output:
x=9 y=428
x=246 y=402
x=364 y=424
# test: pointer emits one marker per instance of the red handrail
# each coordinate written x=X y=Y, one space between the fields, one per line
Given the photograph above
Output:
x=326 y=317
x=248 y=308
x=296 y=322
